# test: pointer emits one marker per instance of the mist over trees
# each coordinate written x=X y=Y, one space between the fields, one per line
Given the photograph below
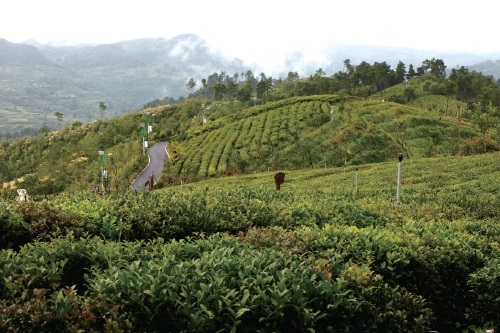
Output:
x=362 y=80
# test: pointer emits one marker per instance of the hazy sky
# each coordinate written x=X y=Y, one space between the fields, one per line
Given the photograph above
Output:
x=260 y=31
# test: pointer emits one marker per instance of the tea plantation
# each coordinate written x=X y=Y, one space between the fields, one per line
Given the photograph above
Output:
x=331 y=251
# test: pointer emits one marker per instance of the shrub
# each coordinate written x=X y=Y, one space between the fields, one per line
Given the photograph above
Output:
x=25 y=222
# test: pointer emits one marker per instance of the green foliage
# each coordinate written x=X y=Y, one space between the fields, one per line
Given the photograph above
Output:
x=485 y=284
x=328 y=252
x=239 y=139
x=67 y=160
x=43 y=287
x=219 y=283
x=235 y=254
x=23 y=223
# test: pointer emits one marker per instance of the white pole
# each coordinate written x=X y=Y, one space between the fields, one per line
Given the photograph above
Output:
x=400 y=176
x=356 y=180
x=101 y=161
x=102 y=180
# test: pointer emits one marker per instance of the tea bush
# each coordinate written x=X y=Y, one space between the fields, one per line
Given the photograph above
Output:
x=239 y=255
x=23 y=223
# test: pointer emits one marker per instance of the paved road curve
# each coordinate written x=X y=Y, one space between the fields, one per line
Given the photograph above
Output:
x=157 y=156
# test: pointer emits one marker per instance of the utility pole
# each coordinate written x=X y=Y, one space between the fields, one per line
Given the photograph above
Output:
x=356 y=181
x=146 y=128
x=104 y=172
x=101 y=162
x=144 y=142
x=148 y=123
x=400 y=176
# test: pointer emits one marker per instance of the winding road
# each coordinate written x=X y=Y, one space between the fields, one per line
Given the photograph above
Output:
x=157 y=156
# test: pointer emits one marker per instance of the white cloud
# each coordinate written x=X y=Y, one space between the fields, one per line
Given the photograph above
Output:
x=260 y=31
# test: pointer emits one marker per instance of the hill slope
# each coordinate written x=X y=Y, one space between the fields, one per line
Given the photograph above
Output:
x=319 y=131
x=331 y=251
x=36 y=82
x=39 y=80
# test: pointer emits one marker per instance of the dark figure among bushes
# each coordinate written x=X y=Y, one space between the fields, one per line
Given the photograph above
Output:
x=279 y=179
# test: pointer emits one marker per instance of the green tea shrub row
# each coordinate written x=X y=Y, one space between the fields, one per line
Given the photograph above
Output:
x=404 y=278
x=205 y=285
x=180 y=213
x=175 y=214
x=453 y=270
x=23 y=223
x=43 y=286
x=262 y=130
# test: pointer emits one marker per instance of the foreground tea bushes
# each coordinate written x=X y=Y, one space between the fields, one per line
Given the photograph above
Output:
x=230 y=288
x=23 y=223
x=226 y=256
x=175 y=214
x=334 y=277
x=218 y=283
x=436 y=262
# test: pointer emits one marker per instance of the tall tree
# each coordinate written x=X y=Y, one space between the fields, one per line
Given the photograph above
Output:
x=433 y=66
x=438 y=68
x=245 y=92
x=463 y=79
x=204 y=88
x=320 y=72
x=219 y=91
x=102 y=108
x=264 y=85
x=59 y=117
x=484 y=121
x=348 y=68
x=382 y=73
x=292 y=76
x=191 y=85
x=231 y=87
x=363 y=74
x=411 y=72
x=451 y=90
x=400 y=73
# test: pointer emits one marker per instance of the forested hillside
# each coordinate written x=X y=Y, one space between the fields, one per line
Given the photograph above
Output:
x=363 y=114
x=489 y=67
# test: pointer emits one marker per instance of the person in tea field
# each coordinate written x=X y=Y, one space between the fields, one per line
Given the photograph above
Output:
x=23 y=195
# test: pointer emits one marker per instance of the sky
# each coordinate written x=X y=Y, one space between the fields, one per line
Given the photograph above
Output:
x=260 y=31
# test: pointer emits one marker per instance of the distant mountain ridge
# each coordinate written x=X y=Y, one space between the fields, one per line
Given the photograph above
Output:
x=488 y=67
x=38 y=80
x=20 y=54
